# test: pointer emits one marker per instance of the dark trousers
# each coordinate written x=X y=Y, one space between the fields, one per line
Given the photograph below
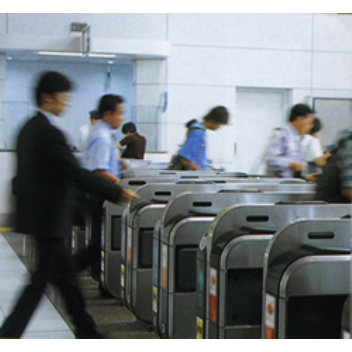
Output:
x=91 y=256
x=54 y=265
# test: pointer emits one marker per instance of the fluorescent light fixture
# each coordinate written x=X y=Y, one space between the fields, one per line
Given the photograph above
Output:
x=60 y=53
x=110 y=56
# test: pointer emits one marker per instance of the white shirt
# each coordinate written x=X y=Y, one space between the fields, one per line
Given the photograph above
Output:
x=311 y=148
x=83 y=135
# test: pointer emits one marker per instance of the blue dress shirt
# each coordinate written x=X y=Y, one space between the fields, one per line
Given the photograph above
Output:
x=100 y=152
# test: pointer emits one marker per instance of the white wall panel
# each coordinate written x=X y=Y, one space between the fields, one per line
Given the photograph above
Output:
x=105 y=25
x=333 y=32
x=284 y=31
x=189 y=102
x=151 y=71
x=332 y=70
x=148 y=94
x=3 y=23
x=239 y=67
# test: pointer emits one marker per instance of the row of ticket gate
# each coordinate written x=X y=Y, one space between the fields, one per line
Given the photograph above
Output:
x=227 y=255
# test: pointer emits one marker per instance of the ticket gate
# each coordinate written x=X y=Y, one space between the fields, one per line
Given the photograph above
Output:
x=345 y=321
x=172 y=317
x=113 y=259
x=234 y=272
x=111 y=249
x=111 y=227
x=142 y=215
x=307 y=279
x=137 y=172
x=111 y=233
x=139 y=219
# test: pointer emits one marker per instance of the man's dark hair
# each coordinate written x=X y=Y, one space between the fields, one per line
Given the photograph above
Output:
x=51 y=82
x=109 y=102
x=129 y=127
x=316 y=126
x=218 y=114
x=299 y=110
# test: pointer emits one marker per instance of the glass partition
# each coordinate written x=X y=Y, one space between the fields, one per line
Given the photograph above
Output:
x=12 y=117
x=148 y=119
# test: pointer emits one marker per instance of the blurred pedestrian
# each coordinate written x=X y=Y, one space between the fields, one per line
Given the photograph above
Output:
x=284 y=158
x=100 y=156
x=334 y=184
x=193 y=153
x=47 y=175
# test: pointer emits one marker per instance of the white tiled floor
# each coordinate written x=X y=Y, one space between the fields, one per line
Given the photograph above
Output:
x=46 y=322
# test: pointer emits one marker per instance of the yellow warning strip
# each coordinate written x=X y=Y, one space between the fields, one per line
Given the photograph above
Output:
x=6 y=229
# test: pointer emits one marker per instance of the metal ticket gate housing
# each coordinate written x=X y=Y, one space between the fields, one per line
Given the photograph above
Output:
x=139 y=218
x=307 y=279
x=170 y=311
x=142 y=215
x=112 y=253
x=183 y=327
x=111 y=248
x=239 y=237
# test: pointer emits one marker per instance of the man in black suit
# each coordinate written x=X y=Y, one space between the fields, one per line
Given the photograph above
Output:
x=47 y=177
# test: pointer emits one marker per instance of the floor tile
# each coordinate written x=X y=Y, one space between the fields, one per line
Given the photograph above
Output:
x=46 y=322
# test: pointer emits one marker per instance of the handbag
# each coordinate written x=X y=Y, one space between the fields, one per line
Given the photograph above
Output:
x=176 y=163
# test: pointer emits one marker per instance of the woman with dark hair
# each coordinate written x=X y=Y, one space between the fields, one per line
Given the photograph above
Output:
x=192 y=155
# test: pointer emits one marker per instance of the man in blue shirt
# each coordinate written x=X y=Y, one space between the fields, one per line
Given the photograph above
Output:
x=284 y=157
x=193 y=152
x=100 y=157
x=100 y=152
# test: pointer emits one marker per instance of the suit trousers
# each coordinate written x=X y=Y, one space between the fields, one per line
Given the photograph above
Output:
x=91 y=256
x=54 y=265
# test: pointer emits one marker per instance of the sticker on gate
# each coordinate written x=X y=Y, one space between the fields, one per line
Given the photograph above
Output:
x=270 y=308
x=122 y=282
x=164 y=266
x=102 y=262
x=129 y=247
x=199 y=328
x=155 y=299
x=212 y=294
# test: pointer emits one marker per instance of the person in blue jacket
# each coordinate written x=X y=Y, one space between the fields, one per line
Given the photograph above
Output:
x=193 y=152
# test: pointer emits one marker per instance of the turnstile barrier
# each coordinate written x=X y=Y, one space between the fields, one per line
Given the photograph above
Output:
x=141 y=216
x=171 y=311
x=232 y=303
x=307 y=279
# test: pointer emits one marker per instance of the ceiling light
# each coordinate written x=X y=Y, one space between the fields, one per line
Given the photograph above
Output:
x=60 y=53
x=111 y=56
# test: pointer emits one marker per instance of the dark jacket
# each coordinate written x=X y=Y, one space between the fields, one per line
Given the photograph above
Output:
x=47 y=177
x=135 y=146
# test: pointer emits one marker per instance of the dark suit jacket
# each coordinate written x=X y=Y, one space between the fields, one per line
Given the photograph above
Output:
x=47 y=177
